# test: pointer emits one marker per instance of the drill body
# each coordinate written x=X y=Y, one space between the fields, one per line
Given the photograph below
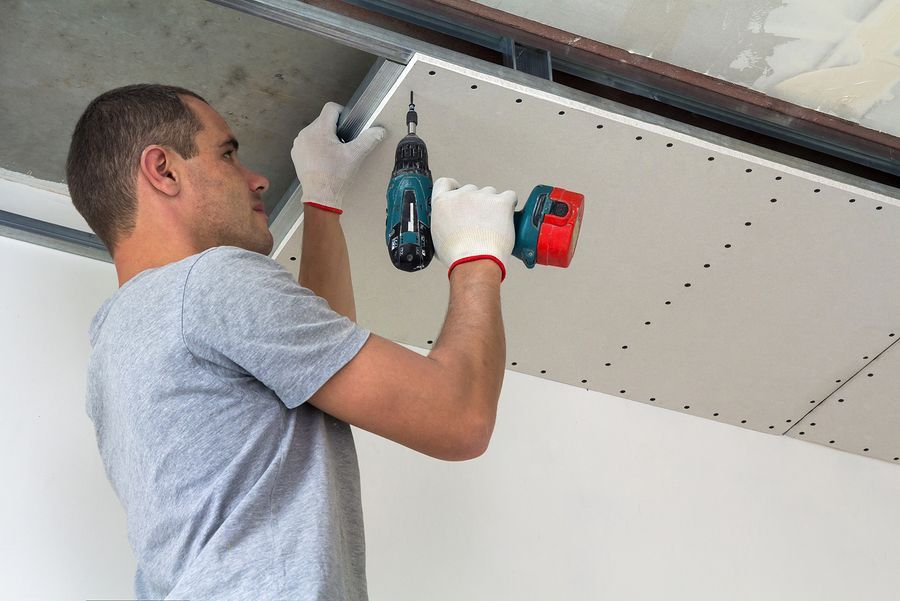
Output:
x=546 y=228
x=408 y=222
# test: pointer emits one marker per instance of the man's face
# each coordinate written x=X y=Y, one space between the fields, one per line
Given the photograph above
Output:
x=227 y=207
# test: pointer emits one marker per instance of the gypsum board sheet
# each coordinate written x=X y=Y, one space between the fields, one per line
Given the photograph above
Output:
x=863 y=415
x=762 y=283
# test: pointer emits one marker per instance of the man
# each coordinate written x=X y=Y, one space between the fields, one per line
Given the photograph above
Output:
x=221 y=390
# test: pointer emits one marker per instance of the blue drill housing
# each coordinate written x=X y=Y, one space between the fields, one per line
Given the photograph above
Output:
x=408 y=214
x=408 y=223
x=527 y=224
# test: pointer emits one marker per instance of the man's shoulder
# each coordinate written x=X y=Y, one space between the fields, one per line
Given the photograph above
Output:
x=233 y=275
x=227 y=262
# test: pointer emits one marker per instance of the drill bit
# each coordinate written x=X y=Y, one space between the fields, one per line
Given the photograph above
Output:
x=411 y=118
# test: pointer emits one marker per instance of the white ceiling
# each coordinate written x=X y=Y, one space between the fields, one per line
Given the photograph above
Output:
x=769 y=328
x=839 y=57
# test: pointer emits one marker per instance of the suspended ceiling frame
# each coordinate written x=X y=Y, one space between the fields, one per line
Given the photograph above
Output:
x=620 y=69
x=397 y=50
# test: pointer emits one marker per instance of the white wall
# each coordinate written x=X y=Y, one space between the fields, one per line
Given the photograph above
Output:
x=62 y=526
x=581 y=495
x=588 y=496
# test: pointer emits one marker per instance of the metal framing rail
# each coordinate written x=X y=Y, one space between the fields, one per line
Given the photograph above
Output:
x=52 y=235
x=669 y=84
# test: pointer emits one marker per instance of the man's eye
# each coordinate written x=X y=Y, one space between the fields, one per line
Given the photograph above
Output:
x=229 y=153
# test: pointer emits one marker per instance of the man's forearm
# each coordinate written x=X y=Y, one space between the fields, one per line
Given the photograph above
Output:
x=472 y=342
x=325 y=262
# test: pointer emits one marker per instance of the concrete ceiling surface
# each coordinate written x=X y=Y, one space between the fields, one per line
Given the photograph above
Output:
x=267 y=80
x=839 y=57
x=707 y=280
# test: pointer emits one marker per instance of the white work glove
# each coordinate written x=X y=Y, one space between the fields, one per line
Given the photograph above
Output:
x=324 y=164
x=469 y=223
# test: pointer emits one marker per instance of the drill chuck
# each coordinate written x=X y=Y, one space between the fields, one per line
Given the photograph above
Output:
x=411 y=157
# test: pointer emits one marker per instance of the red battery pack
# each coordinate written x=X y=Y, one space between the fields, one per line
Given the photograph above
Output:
x=559 y=231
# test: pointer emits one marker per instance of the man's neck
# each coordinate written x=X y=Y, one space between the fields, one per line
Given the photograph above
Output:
x=134 y=256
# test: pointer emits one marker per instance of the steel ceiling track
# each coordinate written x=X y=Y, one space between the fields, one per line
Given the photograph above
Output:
x=646 y=77
x=35 y=231
x=339 y=28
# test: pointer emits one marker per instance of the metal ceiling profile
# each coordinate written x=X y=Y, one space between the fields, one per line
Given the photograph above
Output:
x=41 y=213
x=36 y=231
x=338 y=28
x=633 y=73
x=267 y=86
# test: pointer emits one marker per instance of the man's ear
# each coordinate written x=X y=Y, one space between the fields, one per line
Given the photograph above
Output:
x=158 y=165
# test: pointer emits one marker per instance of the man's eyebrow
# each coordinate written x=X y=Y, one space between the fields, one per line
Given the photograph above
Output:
x=230 y=141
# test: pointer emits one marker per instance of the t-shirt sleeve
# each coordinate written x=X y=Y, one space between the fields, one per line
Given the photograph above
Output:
x=244 y=312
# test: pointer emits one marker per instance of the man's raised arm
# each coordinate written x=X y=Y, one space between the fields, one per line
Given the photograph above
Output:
x=324 y=165
x=445 y=404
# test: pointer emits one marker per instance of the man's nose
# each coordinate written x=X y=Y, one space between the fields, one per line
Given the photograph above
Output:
x=258 y=183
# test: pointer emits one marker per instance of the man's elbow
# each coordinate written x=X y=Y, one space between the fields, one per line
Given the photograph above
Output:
x=478 y=446
x=464 y=448
x=472 y=436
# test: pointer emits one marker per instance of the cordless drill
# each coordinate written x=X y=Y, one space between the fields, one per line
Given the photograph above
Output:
x=546 y=228
x=408 y=225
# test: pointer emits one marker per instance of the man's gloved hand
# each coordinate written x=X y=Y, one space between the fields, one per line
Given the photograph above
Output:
x=469 y=223
x=324 y=163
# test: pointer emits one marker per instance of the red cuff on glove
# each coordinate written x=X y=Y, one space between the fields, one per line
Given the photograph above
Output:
x=477 y=258
x=324 y=207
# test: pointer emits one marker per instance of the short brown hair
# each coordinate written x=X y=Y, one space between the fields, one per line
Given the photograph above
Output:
x=101 y=169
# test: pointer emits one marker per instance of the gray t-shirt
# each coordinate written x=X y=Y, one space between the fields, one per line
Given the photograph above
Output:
x=233 y=486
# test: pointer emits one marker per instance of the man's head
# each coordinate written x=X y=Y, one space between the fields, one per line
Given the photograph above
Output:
x=155 y=167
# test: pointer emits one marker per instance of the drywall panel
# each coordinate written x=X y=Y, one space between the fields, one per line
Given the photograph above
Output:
x=863 y=415
x=707 y=280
